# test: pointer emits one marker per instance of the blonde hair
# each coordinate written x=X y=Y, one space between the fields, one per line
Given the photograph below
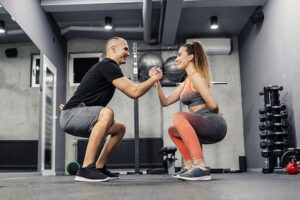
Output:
x=200 y=60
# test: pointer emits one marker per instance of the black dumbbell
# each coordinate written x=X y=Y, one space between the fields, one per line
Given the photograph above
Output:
x=266 y=153
x=262 y=118
x=280 y=107
x=278 y=153
x=262 y=127
x=275 y=87
x=265 y=144
x=283 y=133
x=282 y=124
x=269 y=116
x=268 y=107
x=269 y=124
x=282 y=115
x=262 y=111
x=282 y=143
x=265 y=134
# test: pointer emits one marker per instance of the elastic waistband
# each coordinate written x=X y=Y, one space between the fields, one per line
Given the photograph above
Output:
x=202 y=111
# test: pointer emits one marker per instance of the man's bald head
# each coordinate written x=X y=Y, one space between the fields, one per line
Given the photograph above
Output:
x=114 y=41
x=117 y=49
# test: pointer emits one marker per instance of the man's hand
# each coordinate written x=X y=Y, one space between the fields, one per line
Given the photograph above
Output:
x=156 y=73
x=61 y=106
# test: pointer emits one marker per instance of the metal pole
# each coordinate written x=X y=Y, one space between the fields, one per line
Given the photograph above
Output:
x=136 y=114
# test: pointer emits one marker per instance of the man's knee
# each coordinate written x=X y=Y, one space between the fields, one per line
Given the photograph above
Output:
x=106 y=115
x=122 y=128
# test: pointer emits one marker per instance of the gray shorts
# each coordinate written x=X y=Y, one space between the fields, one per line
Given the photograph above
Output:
x=79 y=121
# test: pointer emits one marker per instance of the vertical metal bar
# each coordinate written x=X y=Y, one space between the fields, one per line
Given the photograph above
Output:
x=136 y=114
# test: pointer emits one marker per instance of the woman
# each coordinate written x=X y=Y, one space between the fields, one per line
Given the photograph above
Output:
x=202 y=124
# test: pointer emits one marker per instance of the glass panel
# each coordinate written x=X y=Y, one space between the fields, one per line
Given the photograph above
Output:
x=49 y=118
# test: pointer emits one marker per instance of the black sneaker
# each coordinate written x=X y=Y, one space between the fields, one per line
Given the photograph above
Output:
x=110 y=175
x=196 y=174
x=90 y=174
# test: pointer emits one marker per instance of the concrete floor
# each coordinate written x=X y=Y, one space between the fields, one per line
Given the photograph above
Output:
x=254 y=186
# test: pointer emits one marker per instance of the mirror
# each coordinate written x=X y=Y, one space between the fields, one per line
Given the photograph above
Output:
x=48 y=118
x=19 y=102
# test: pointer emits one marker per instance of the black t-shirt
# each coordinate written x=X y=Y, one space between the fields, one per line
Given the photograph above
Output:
x=96 y=88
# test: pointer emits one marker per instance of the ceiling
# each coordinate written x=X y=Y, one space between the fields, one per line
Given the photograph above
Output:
x=155 y=21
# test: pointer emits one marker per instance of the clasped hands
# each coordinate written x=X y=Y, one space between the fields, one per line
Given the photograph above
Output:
x=156 y=72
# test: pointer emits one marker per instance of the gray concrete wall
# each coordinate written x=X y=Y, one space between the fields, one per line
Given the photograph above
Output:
x=19 y=103
x=269 y=55
x=46 y=36
x=224 y=68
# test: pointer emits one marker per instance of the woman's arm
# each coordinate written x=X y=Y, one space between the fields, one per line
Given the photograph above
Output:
x=165 y=100
x=170 y=99
x=199 y=84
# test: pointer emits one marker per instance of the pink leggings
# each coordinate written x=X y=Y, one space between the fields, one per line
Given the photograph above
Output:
x=190 y=129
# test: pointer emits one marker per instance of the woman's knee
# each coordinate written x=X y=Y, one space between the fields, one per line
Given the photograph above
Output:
x=173 y=132
x=178 y=116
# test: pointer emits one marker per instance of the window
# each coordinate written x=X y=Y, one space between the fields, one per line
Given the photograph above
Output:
x=79 y=64
x=35 y=70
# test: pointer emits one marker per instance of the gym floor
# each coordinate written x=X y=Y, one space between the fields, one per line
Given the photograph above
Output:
x=250 y=185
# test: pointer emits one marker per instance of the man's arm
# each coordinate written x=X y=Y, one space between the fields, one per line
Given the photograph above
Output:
x=135 y=91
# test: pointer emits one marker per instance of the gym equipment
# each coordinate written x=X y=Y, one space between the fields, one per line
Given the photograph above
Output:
x=292 y=167
x=73 y=167
x=277 y=154
x=146 y=62
x=172 y=72
x=273 y=126
x=136 y=115
x=281 y=133
x=291 y=153
x=169 y=161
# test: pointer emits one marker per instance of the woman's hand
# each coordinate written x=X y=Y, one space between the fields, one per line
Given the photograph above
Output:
x=156 y=73
x=153 y=71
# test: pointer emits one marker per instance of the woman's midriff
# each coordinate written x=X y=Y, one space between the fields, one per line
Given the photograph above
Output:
x=196 y=108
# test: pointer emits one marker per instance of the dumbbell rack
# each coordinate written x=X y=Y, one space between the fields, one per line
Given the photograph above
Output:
x=273 y=126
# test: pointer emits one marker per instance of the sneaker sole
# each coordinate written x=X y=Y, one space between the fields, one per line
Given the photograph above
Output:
x=113 y=178
x=201 y=178
x=81 y=179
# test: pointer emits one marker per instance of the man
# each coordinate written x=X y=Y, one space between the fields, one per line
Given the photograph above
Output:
x=86 y=114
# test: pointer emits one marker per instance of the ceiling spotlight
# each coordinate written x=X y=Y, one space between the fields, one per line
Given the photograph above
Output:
x=2 y=29
x=214 y=22
x=108 y=24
